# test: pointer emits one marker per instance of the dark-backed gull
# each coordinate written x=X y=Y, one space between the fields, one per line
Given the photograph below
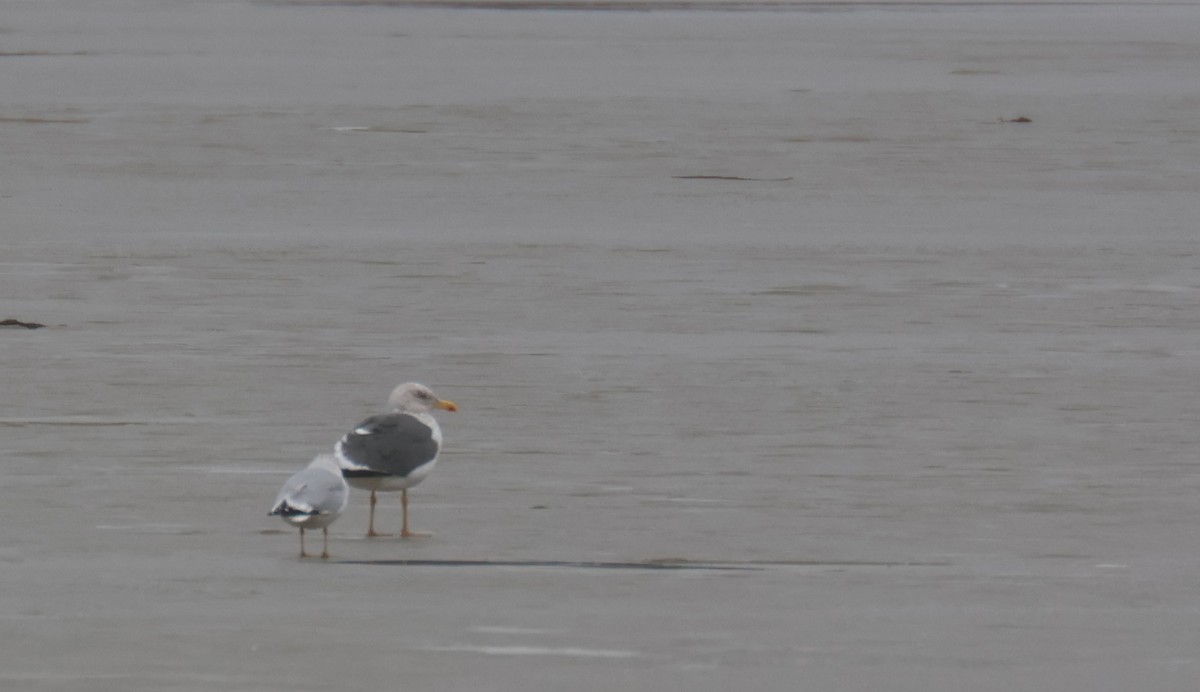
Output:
x=394 y=451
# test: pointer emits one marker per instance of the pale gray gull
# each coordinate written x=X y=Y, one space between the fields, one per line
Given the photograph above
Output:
x=394 y=451
x=313 y=498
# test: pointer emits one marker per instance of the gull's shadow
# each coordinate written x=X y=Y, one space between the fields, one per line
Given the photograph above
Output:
x=663 y=564
x=569 y=564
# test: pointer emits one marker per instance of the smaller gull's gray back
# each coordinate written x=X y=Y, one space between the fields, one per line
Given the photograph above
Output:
x=315 y=491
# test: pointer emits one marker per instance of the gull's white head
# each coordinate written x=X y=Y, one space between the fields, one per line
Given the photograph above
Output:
x=412 y=397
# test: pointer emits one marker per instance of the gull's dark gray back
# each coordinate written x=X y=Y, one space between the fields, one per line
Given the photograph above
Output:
x=392 y=444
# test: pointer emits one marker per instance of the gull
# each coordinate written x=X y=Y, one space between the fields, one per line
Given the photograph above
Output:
x=313 y=498
x=394 y=451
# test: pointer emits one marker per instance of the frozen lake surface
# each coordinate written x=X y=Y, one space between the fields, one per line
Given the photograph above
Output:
x=829 y=347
